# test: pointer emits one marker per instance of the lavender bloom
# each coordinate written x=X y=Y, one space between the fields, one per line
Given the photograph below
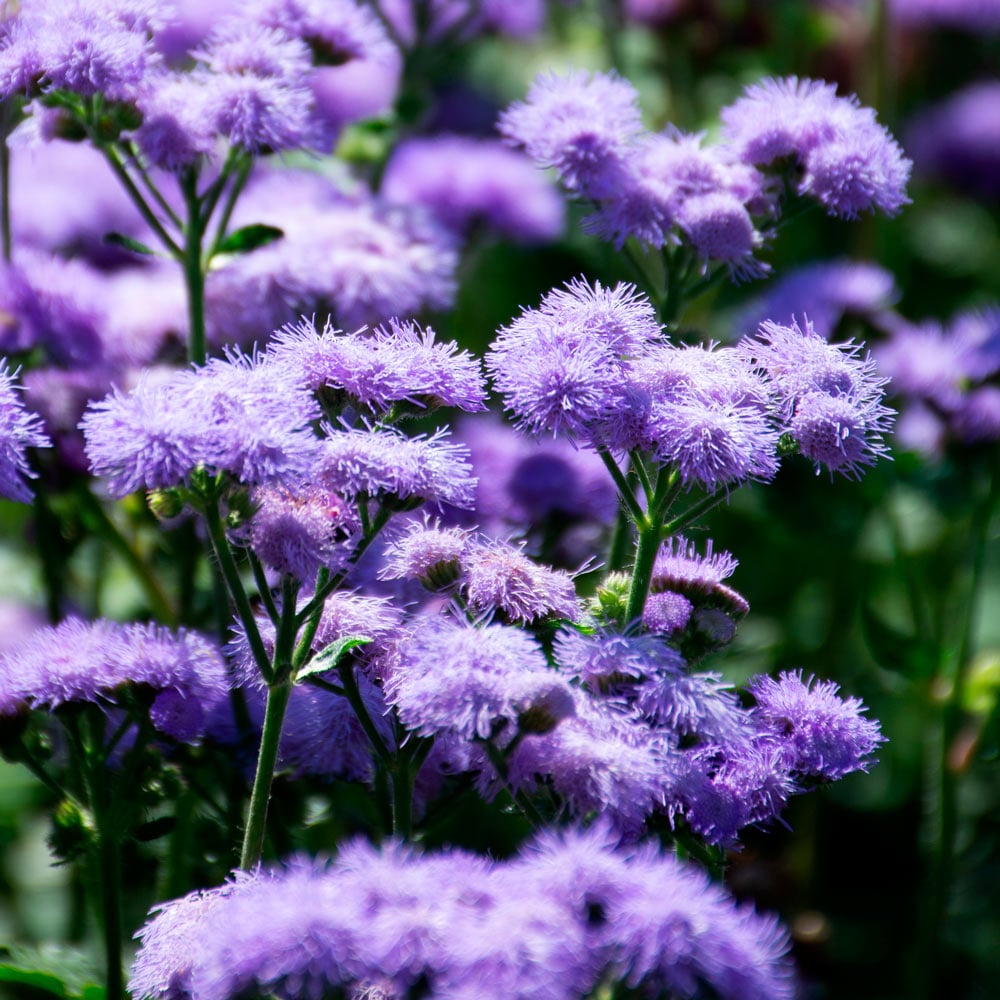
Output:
x=230 y=416
x=818 y=734
x=679 y=569
x=85 y=46
x=599 y=761
x=561 y=367
x=666 y=613
x=297 y=533
x=850 y=163
x=957 y=140
x=474 y=682
x=384 y=462
x=19 y=430
x=825 y=291
x=428 y=553
x=78 y=661
x=177 y=126
x=580 y=124
x=727 y=789
x=499 y=577
x=467 y=182
x=607 y=662
x=400 y=362
x=832 y=393
x=440 y=21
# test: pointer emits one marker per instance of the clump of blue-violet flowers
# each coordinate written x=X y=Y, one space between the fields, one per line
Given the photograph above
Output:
x=378 y=647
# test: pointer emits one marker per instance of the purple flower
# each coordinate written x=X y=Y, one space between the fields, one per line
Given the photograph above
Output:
x=581 y=124
x=88 y=662
x=850 y=163
x=178 y=125
x=680 y=569
x=561 y=368
x=398 y=362
x=231 y=416
x=427 y=552
x=818 y=734
x=299 y=532
x=387 y=463
x=499 y=577
x=839 y=433
x=467 y=183
x=602 y=761
x=19 y=430
x=85 y=46
x=666 y=612
x=607 y=662
x=474 y=682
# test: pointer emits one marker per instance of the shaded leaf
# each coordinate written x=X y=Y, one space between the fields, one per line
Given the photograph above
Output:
x=329 y=658
x=127 y=243
x=249 y=238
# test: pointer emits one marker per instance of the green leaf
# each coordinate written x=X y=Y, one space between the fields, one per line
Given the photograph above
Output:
x=61 y=972
x=249 y=238
x=329 y=658
x=127 y=243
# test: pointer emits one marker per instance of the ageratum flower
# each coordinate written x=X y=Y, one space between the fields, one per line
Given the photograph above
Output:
x=581 y=124
x=561 y=368
x=964 y=15
x=386 y=463
x=850 y=164
x=426 y=552
x=474 y=682
x=233 y=416
x=78 y=661
x=19 y=430
x=818 y=734
x=85 y=46
x=398 y=362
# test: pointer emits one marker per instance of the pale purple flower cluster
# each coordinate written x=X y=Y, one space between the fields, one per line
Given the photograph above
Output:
x=19 y=431
x=233 y=416
x=449 y=678
x=945 y=375
x=89 y=662
x=831 y=395
x=967 y=15
x=714 y=415
x=398 y=362
x=493 y=576
x=847 y=161
x=469 y=183
x=659 y=188
x=443 y=21
x=85 y=46
x=570 y=912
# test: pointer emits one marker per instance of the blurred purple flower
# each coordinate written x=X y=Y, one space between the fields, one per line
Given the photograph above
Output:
x=19 y=430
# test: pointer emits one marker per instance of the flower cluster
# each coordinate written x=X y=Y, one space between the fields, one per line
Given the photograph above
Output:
x=549 y=923
x=672 y=188
x=714 y=415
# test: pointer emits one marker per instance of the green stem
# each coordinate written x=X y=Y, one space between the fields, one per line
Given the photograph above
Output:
x=353 y=694
x=274 y=717
x=651 y=532
x=235 y=189
x=625 y=491
x=234 y=584
x=304 y=645
x=499 y=762
x=194 y=274
x=113 y=157
x=692 y=514
x=260 y=578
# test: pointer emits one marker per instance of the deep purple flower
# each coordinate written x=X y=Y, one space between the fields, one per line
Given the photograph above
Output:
x=607 y=661
x=839 y=433
x=581 y=124
x=399 y=362
x=467 y=183
x=178 y=125
x=452 y=678
x=851 y=164
x=818 y=733
x=427 y=552
x=666 y=612
x=19 y=430
x=680 y=569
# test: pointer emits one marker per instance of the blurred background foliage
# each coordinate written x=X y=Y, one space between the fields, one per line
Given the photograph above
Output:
x=890 y=881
